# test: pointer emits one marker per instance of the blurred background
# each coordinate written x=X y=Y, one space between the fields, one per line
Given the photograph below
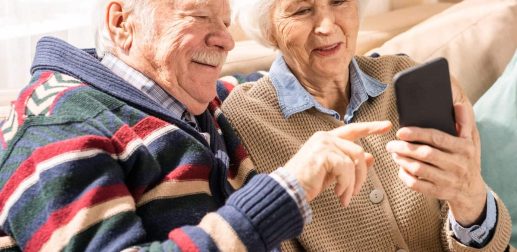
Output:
x=24 y=22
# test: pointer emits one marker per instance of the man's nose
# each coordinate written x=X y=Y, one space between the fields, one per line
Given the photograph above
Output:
x=221 y=38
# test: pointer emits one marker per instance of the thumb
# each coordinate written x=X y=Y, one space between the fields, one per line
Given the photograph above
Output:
x=464 y=120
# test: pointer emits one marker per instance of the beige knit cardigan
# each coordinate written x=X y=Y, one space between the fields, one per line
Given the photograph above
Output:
x=402 y=220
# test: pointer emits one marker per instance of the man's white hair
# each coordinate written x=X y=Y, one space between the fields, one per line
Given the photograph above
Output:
x=253 y=16
x=143 y=10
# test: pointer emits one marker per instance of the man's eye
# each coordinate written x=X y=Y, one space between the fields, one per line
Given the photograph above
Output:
x=338 y=2
x=302 y=11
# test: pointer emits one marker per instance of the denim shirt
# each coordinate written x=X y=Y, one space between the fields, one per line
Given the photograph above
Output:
x=293 y=98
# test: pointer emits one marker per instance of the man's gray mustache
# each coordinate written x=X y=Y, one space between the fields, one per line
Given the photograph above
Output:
x=211 y=58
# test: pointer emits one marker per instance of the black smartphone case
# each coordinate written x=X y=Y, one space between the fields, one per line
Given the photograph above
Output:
x=424 y=97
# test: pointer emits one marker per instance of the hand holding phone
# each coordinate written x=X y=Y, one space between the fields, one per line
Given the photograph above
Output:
x=424 y=96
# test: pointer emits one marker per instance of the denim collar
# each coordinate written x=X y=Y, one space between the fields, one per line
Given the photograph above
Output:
x=293 y=98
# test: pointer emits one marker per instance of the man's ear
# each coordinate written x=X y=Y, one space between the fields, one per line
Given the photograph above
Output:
x=118 y=25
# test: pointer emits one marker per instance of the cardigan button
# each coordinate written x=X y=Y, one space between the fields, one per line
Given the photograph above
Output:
x=401 y=250
x=376 y=196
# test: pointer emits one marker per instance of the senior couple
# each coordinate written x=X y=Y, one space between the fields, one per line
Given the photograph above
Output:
x=125 y=148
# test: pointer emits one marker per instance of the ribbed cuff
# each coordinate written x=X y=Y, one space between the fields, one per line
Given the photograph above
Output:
x=271 y=210
x=291 y=185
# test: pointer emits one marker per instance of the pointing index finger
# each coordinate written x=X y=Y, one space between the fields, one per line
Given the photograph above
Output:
x=355 y=131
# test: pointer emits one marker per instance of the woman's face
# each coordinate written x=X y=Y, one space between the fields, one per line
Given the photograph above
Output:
x=317 y=37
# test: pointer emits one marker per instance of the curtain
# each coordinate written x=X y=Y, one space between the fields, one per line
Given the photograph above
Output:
x=24 y=22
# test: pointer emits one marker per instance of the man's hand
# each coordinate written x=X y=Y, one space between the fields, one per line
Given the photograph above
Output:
x=444 y=166
x=332 y=156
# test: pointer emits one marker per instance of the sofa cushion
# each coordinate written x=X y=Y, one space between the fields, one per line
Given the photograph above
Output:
x=248 y=56
x=379 y=28
x=496 y=114
x=477 y=37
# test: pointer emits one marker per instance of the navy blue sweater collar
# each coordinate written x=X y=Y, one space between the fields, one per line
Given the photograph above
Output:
x=56 y=55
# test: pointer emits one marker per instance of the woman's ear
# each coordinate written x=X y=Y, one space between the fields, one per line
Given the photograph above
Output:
x=118 y=25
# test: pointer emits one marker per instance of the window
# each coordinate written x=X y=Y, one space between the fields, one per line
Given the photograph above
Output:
x=24 y=22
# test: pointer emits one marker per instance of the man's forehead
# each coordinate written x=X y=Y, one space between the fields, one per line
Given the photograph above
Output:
x=199 y=2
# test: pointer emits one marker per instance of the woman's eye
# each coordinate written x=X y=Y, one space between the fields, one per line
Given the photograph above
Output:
x=302 y=11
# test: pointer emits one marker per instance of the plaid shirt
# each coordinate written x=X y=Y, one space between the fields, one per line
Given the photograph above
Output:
x=155 y=92
x=148 y=87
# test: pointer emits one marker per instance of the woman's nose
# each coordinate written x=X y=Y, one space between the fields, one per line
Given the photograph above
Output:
x=325 y=25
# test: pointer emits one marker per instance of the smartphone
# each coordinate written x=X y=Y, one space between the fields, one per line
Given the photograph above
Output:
x=424 y=96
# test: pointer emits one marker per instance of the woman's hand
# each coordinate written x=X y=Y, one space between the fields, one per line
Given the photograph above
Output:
x=444 y=166
x=332 y=156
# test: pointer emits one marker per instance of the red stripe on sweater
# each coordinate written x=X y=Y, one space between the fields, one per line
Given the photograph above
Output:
x=28 y=167
x=62 y=216
x=183 y=240
x=229 y=86
x=215 y=104
x=61 y=95
x=25 y=96
x=239 y=154
x=123 y=136
x=141 y=130
x=148 y=125
x=190 y=172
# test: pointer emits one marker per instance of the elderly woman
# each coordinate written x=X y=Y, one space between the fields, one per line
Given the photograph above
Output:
x=417 y=197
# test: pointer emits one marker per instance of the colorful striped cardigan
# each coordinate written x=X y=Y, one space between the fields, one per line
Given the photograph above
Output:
x=89 y=163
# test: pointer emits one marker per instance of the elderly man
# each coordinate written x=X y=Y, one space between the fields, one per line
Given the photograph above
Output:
x=127 y=149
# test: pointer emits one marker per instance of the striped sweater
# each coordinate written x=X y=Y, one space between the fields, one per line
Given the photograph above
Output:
x=89 y=163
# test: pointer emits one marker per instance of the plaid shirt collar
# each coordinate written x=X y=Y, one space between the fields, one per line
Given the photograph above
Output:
x=148 y=87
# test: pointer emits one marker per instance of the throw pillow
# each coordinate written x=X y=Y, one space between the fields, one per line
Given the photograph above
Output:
x=496 y=115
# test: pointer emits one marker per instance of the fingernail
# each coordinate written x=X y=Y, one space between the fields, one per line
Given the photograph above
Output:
x=390 y=146
x=403 y=132
x=385 y=123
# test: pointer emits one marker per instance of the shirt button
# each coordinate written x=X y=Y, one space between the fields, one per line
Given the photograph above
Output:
x=376 y=196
